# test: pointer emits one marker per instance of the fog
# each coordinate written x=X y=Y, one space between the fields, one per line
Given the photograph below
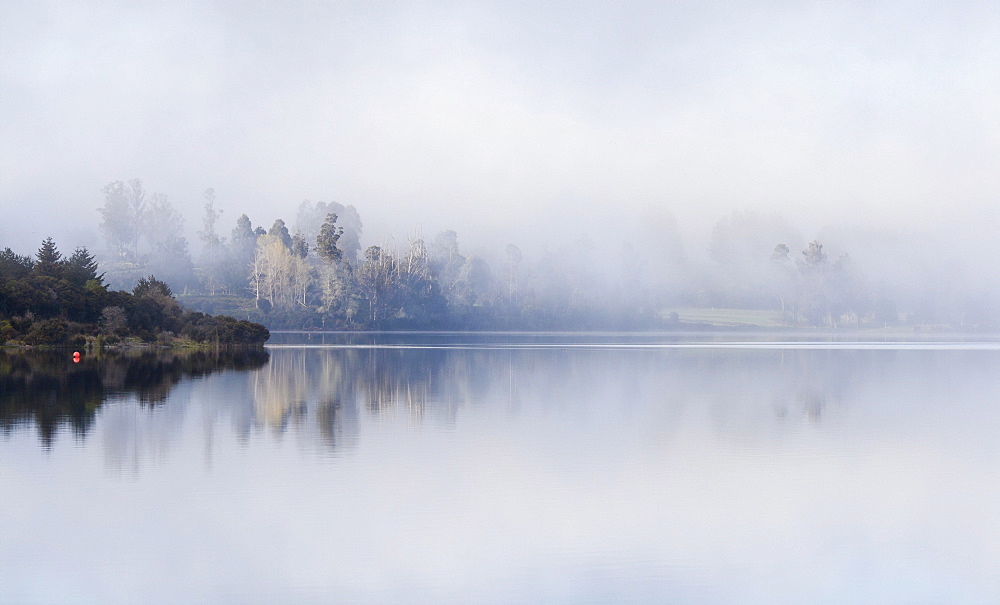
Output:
x=871 y=129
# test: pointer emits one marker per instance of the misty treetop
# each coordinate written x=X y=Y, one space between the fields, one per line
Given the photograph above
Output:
x=326 y=242
x=312 y=218
x=143 y=234
x=315 y=273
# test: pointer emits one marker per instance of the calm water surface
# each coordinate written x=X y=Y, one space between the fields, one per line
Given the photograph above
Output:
x=505 y=468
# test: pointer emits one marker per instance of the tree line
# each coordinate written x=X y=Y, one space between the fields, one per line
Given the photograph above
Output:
x=317 y=275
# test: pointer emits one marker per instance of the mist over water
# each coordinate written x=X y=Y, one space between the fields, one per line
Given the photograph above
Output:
x=511 y=467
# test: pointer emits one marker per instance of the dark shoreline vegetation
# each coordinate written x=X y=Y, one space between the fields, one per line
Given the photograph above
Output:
x=56 y=301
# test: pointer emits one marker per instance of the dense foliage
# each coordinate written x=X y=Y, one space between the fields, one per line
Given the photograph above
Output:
x=56 y=300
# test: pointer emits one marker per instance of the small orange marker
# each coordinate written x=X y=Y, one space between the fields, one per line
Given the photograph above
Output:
x=76 y=357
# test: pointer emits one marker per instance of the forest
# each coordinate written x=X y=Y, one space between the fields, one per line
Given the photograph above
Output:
x=315 y=273
x=50 y=299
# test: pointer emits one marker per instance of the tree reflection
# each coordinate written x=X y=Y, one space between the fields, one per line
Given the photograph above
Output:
x=328 y=391
x=333 y=387
x=325 y=394
x=48 y=390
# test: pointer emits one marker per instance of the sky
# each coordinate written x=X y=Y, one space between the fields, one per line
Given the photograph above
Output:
x=518 y=122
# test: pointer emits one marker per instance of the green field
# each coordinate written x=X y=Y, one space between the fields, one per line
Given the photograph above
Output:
x=726 y=317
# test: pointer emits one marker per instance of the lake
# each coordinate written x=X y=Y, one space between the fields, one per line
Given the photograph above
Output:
x=445 y=467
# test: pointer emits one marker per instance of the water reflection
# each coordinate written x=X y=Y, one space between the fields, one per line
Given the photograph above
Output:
x=330 y=388
x=437 y=471
x=324 y=393
x=47 y=390
x=747 y=394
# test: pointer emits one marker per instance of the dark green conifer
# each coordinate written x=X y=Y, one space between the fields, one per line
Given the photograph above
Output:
x=81 y=267
x=49 y=261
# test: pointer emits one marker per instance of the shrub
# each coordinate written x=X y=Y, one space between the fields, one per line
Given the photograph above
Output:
x=6 y=331
x=21 y=325
x=47 y=332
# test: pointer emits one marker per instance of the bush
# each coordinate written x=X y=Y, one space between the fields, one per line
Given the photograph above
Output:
x=21 y=325
x=223 y=330
x=6 y=331
x=47 y=332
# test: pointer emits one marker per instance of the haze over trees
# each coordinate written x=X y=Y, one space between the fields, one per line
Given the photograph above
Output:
x=317 y=273
x=142 y=235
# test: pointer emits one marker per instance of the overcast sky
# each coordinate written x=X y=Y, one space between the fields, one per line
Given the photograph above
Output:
x=501 y=119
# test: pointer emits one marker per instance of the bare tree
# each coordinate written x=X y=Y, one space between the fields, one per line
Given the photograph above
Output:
x=375 y=280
